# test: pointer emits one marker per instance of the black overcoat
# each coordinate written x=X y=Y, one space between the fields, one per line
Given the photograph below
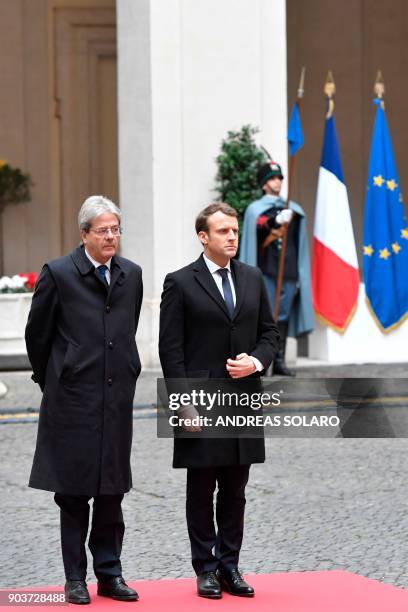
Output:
x=197 y=336
x=80 y=340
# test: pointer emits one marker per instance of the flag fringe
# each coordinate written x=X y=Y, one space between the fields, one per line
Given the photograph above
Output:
x=385 y=330
x=336 y=328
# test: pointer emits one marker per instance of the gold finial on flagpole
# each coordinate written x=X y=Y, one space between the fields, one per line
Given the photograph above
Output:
x=330 y=90
x=301 y=88
x=379 y=88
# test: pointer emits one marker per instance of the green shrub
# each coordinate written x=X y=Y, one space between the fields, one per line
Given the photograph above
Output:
x=237 y=165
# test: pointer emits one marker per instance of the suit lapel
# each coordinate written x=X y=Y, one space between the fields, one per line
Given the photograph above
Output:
x=117 y=274
x=205 y=279
x=239 y=277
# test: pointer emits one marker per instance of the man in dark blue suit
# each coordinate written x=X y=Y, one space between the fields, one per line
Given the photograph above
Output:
x=216 y=322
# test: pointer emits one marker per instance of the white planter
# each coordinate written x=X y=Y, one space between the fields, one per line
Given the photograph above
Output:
x=14 y=309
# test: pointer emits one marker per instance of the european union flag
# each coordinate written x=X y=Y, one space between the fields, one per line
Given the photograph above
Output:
x=295 y=133
x=385 y=247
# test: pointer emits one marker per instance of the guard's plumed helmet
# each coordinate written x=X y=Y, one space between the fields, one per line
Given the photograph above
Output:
x=267 y=171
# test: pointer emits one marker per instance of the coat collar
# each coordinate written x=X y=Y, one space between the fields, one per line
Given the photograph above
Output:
x=85 y=266
x=206 y=280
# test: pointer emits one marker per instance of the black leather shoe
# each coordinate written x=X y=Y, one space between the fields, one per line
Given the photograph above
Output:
x=281 y=369
x=233 y=582
x=279 y=366
x=76 y=592
x=208 y=585
x=116 y=588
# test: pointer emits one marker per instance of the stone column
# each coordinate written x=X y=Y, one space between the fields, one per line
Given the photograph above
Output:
x=189 y=71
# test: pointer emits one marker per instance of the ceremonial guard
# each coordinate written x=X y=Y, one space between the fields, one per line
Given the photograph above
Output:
x=265 y=222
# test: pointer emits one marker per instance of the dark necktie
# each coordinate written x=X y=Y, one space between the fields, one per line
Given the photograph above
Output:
x=226 y=289
x=102 y=273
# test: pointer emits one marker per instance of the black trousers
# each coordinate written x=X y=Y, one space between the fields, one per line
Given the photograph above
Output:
x=210 y=549
x=105 y=538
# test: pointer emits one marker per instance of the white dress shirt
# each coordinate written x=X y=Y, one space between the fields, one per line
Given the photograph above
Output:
x=213 y=268
x=98 y=263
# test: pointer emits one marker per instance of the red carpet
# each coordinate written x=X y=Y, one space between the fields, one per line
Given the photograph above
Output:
x=329 y=591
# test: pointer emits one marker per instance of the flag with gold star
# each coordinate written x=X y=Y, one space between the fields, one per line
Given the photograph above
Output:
x=385 y=239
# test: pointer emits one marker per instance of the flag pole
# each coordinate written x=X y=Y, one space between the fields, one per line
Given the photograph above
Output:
x=292 y=165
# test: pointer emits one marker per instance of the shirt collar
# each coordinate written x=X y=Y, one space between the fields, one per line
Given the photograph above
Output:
x=98 y=263
x=213 y=267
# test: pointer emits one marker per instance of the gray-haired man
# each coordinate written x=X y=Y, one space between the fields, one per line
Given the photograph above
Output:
x=80 y=340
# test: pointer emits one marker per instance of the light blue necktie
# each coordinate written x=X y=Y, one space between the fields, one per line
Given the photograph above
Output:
x=227 y=291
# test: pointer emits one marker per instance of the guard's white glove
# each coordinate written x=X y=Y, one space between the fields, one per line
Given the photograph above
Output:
x=284 y=216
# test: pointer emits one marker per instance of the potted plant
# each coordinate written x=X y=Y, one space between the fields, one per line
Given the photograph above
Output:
x=15 y=292
x=14 y=188
x=237 y=165
x=15 y=302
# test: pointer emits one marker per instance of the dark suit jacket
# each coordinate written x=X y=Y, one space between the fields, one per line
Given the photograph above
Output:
x=197 y=336
x=80 y=340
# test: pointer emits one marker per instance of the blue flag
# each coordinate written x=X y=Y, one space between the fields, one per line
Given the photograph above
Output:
x=295 y=134
x=385 y=240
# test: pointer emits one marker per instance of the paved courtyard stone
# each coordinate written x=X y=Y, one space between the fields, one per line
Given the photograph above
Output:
x=315 y=504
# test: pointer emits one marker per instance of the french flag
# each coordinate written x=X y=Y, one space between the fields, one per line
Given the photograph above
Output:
x=335 y=276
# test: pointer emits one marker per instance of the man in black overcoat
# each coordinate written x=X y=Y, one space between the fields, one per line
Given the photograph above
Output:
x=216 y=322
x=80 y=340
